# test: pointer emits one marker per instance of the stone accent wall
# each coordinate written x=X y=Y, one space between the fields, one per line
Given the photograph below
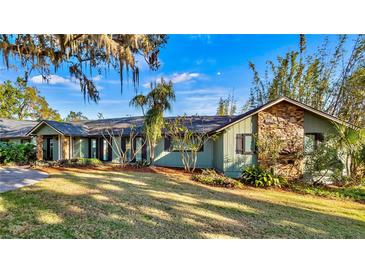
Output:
x=65 y=147
x=39 y=141
x=286 y=121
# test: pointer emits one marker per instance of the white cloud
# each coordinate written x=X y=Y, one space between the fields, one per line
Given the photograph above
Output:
x=184 y=77
x=176 y=78
x=51 y=79
x=219 y=73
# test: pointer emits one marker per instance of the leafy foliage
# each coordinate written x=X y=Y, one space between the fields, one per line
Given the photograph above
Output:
x=18 y=101
x=227 y=106
x=322 y=162
x=79 y=52
x=350 y=144
x=79 y=162
x=75 y=117
x=186 y=141
x=156 y=101
x=258 y=177
x=212 y=178
x=328 y=80
x=356 y=193
x=17 y=153
x=269 y=147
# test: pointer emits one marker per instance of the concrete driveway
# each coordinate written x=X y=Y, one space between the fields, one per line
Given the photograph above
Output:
x=16 y=177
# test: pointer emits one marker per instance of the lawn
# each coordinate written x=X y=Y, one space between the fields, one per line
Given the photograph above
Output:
x=113 y=204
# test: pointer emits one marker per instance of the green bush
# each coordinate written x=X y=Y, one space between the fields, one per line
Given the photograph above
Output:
x=17 y=153
x=258 y=177
x=212 y=178
x=79 y=162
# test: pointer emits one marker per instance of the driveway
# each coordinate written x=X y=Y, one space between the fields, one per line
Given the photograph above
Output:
x=16 y=177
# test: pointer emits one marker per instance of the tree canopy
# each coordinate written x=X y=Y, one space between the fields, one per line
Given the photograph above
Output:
x=81 y=54
x=227 y=106
x=75 y=117
x=330 y=80
x=19 y=101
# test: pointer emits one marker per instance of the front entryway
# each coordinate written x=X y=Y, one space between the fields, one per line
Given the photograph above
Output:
x=50 y=148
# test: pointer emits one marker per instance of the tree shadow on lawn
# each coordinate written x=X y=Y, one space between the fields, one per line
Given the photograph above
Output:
x=141 y=205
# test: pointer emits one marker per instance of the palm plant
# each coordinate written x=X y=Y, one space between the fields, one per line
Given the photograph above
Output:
x=349 y=143
x=153 y=106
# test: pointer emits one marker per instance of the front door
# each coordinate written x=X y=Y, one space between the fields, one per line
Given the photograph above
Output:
x=48 y=153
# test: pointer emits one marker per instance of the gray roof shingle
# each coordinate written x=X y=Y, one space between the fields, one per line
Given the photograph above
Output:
x=15 y=129
x=123 y=125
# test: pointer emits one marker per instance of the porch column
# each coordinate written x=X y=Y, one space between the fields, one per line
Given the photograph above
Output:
x=39 y=140
x=59 y=147
x=65 y=147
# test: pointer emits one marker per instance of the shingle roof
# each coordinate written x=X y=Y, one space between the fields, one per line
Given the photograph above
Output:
x=74 y=129
x=14 y=128
x=124 y=125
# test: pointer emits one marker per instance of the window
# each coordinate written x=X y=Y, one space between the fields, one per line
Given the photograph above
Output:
x=138 y=148
x=245 y=144
x=311 y=141
x=93 y=149
x=105 y=150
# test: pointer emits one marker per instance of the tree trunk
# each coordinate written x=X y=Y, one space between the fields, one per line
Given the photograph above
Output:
x=152 y=154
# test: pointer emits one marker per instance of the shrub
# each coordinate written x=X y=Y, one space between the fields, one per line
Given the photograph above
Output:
x=324 y=163
x=79 y=162
x=140 y=164
x=212 y=178
x=258 y=177
x=17 y=153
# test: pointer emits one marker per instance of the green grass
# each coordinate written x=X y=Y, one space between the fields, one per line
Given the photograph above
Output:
x=111 y=204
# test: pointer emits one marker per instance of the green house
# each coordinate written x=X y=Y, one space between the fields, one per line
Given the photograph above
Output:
x=233 y=148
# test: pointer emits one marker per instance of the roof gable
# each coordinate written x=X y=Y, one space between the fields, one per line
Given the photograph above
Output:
x=279 y=100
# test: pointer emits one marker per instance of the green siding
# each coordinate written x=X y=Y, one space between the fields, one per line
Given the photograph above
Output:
x=46 y=130
x=173 y=159
x=314 y=123
x=218 y=153
x=234 y=163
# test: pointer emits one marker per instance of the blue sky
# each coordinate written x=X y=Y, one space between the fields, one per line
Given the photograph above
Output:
x=202 y=67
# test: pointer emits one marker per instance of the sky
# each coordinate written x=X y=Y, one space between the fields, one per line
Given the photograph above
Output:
x=203 y=68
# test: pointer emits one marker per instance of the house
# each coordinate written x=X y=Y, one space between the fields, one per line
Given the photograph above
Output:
x=297 y=124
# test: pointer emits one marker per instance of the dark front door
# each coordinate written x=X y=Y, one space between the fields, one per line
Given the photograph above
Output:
x=105 y=151
x=48 y=155
x=93 y=148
